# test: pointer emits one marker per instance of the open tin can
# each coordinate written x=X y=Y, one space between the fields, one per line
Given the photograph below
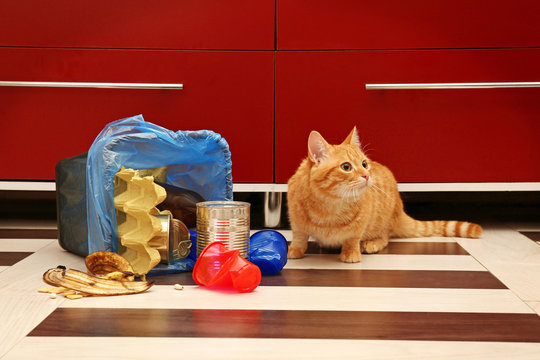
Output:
x=174 y=243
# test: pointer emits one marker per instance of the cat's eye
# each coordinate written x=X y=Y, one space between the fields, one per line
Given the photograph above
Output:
x=346 y=166
x=364 y=164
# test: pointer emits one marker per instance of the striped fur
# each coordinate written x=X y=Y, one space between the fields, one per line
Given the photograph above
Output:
x=343 y=199
x=409 y=227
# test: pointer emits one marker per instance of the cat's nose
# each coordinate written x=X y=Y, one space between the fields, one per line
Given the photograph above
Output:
x=366 y=176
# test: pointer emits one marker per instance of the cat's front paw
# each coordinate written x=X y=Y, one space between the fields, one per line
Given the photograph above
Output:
x=295 y=253
x=372 y=246
x=350 y=256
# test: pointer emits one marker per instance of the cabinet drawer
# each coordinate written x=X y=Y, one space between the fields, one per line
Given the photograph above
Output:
x=416 y=24
x=230 y=93
x=165 y=24
x=434 y=135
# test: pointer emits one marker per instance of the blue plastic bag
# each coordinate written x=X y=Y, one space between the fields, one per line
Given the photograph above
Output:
x=195 y=160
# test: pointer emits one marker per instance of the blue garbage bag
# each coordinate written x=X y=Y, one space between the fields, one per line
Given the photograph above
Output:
x=196 y=160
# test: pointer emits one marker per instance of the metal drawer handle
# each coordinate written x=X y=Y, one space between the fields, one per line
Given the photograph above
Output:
x=92 y=85
x=489 y=85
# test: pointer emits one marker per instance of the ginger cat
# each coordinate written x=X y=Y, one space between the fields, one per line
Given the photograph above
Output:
x=343 y=199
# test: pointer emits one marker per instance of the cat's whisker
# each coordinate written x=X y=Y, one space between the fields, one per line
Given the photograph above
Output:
x=345 y=195
x=356 y=193
x=359 y=194
x=379 y=189
x=365 y=149
x=351 y=192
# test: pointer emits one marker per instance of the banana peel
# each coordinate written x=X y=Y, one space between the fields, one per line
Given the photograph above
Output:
x=93 y=285
x=105 y=263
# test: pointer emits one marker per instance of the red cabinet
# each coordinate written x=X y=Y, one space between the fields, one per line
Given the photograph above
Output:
x=229 y=92
x=164 y=24
x=467 y=135
x=221 y=51
x=265 y=73
x=328 y=50
x=411 y=24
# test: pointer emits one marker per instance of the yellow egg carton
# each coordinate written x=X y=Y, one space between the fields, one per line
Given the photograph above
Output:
x=140 y=232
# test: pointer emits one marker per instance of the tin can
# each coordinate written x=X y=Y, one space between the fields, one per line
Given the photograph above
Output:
x=224 y=221
x=173 y=242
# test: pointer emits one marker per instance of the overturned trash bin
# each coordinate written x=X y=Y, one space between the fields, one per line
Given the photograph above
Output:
x=196 y=160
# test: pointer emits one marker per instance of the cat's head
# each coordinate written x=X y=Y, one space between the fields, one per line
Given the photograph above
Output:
x=339 y=170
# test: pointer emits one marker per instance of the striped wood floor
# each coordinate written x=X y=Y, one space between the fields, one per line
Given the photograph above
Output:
x=418 y=299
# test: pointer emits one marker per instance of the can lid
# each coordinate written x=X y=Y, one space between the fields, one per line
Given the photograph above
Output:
x=223 y=204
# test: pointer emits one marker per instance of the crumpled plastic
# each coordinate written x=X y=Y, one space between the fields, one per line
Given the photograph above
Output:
x=217 y=266
x=268 y=250
x=196 y=160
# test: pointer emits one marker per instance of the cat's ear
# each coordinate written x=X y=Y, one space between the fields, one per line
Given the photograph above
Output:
x=317 y=147
x=353 y=138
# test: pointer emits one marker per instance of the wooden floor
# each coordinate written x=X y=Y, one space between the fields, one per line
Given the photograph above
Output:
x=443 y=298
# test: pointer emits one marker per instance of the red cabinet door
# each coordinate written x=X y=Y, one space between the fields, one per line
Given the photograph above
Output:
x=468 y=135
x=411 y=24
x=164 y=24
x=230 y=93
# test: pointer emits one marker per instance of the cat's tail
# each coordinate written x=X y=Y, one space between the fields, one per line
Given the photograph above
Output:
x=407 y=227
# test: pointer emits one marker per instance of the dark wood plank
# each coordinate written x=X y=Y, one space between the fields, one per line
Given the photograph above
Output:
x=9 y=258
x=533 y=235
x=424 y=248
x=402 y=248
x=385 y=278
x=290 y=324
x=29 y=233
x=364 y=278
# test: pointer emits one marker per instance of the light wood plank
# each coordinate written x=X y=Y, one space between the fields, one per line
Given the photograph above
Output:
x=21 y=306
x=317 y=298
x=25 y=277
x=535 y=305
x=511 y=257
x=20 y=314
x=258 y=349
x=31 y=245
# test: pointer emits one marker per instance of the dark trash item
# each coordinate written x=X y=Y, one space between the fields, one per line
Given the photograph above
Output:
x=70 y=177
x=182 y=203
